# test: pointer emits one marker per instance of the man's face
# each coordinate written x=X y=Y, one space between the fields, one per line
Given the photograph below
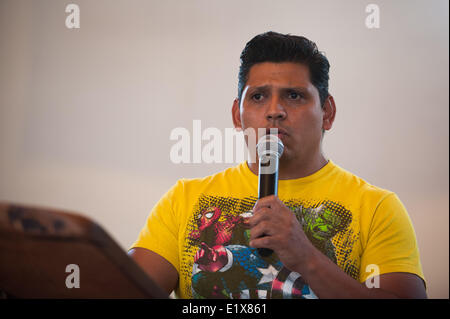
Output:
x=280 y=95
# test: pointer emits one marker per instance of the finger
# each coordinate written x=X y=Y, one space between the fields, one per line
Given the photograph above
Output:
x=262 y=214
x=264 y=202
x=262 y=229
x=271 y=201
x=262 y=242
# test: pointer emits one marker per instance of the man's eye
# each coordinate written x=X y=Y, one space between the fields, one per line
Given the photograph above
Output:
x=257 y=96
x=295 y=95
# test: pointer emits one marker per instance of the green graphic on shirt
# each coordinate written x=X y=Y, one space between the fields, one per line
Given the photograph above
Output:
x=320 y=225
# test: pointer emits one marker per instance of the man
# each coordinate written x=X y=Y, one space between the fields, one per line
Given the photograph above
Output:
x=329 y=230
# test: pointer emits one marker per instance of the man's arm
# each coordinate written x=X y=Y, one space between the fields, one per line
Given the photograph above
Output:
x=156 y=267
x=329 y=281
x=284 y=234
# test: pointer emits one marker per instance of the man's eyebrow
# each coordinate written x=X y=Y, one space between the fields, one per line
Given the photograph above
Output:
x=300 y=88
x=259 y=88
x=267 y=87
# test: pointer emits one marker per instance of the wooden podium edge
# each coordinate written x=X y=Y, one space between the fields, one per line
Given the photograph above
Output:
x=79 y=228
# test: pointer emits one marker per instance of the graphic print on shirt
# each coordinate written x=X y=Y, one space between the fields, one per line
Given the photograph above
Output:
x=220 y=264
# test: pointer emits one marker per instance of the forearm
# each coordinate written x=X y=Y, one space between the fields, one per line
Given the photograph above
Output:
x=327 y=280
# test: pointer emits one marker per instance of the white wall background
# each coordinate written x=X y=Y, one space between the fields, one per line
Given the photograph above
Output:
x=85 y=114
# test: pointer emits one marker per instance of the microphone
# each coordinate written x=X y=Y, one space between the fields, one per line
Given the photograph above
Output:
x=269 y=148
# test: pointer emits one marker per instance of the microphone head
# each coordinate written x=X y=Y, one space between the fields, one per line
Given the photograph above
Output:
x=270 y=144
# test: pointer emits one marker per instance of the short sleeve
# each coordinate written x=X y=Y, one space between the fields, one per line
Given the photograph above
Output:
x=391 y=243
x=160 y=232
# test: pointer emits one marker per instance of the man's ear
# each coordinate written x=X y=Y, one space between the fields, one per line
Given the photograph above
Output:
x=236 y=114
x=329 y=113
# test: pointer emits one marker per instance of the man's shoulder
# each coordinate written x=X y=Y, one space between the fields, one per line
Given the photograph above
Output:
x=355 y=183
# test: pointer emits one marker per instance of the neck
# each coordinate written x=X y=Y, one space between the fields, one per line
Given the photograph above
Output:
x=295 y=168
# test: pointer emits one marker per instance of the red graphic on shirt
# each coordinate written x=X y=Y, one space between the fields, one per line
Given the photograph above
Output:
x=211 y=230
x=213 y=235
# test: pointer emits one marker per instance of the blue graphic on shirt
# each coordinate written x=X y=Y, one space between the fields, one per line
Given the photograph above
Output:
x=244 y=274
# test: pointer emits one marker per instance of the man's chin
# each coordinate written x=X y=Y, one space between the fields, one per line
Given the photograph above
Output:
x=286 y=157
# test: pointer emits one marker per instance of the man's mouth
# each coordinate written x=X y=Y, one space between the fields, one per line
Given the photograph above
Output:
x=280 y=132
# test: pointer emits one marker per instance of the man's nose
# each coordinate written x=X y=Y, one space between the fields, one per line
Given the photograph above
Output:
x=275 y=110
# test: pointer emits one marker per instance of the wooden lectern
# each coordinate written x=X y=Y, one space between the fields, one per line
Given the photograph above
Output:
x=43 y=252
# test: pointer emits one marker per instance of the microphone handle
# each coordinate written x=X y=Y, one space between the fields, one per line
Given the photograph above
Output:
x=267 y=185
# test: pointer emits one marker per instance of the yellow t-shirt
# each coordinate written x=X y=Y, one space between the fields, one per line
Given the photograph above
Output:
x=199 y=227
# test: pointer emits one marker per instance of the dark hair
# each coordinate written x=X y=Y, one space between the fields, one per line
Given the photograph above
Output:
x=276 y=47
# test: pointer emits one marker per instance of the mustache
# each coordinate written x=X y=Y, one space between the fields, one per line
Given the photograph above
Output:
x=279 y=129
